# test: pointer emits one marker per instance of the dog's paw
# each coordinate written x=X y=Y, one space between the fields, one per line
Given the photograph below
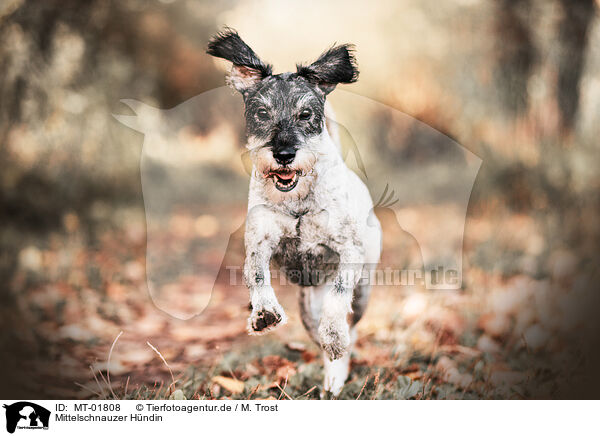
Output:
x=336 y=373
x=265 y=318
x=334 y=336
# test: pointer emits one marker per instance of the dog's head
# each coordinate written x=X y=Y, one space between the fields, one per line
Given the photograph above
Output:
x=285 y=113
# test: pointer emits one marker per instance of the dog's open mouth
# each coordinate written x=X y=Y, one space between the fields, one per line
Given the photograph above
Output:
x=285 y=180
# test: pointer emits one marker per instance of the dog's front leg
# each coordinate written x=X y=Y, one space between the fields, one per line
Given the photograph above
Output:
x=334 y=331
x=262 y=236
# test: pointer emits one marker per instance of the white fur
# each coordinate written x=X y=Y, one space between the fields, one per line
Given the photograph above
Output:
x=336 y=373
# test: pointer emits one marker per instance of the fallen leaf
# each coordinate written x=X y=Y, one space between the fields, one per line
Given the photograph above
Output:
x=408 y=388
x=308 y=356
x=177 y=395
x=285 y=372
x=273 y=363
x=296 y=346
x=232 y=385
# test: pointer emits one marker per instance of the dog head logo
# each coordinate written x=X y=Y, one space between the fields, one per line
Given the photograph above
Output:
x=26 y=415
x=193 y=178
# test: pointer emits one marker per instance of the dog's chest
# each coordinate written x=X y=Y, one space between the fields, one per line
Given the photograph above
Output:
x=307 y=254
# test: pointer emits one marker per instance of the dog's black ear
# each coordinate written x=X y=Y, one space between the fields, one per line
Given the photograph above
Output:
x=247 y=69
x=336 y=65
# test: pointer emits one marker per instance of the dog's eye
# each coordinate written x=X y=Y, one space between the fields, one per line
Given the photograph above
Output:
x=305 y=114
x=262 y=114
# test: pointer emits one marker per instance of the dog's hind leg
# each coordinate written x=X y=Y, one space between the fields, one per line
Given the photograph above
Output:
x=311 y=301
x=362 y=291
x=335 y=371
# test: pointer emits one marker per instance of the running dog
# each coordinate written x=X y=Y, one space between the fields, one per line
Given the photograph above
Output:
x=307 y=211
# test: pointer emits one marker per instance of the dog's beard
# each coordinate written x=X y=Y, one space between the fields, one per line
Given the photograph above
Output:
x=281 y=182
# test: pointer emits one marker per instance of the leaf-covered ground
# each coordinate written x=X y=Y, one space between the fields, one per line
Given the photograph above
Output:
x=502 y=336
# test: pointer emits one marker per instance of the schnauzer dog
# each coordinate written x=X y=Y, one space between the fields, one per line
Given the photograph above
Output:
x=307 y=211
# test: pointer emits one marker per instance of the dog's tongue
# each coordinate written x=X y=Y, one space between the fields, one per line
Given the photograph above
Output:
x=284 y=176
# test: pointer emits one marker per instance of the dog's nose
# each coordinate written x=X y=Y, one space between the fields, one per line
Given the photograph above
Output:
x=284 y=156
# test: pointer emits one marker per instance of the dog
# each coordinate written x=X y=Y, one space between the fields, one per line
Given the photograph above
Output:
x=308 y=213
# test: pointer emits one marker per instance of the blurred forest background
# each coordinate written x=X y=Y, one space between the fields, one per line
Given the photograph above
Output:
x=517 y=82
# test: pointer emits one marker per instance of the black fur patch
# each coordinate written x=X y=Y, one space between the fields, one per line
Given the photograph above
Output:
x=259 y=278
x=305 y=268
x=279 y=96
x=228 y=45
x=336 y=65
